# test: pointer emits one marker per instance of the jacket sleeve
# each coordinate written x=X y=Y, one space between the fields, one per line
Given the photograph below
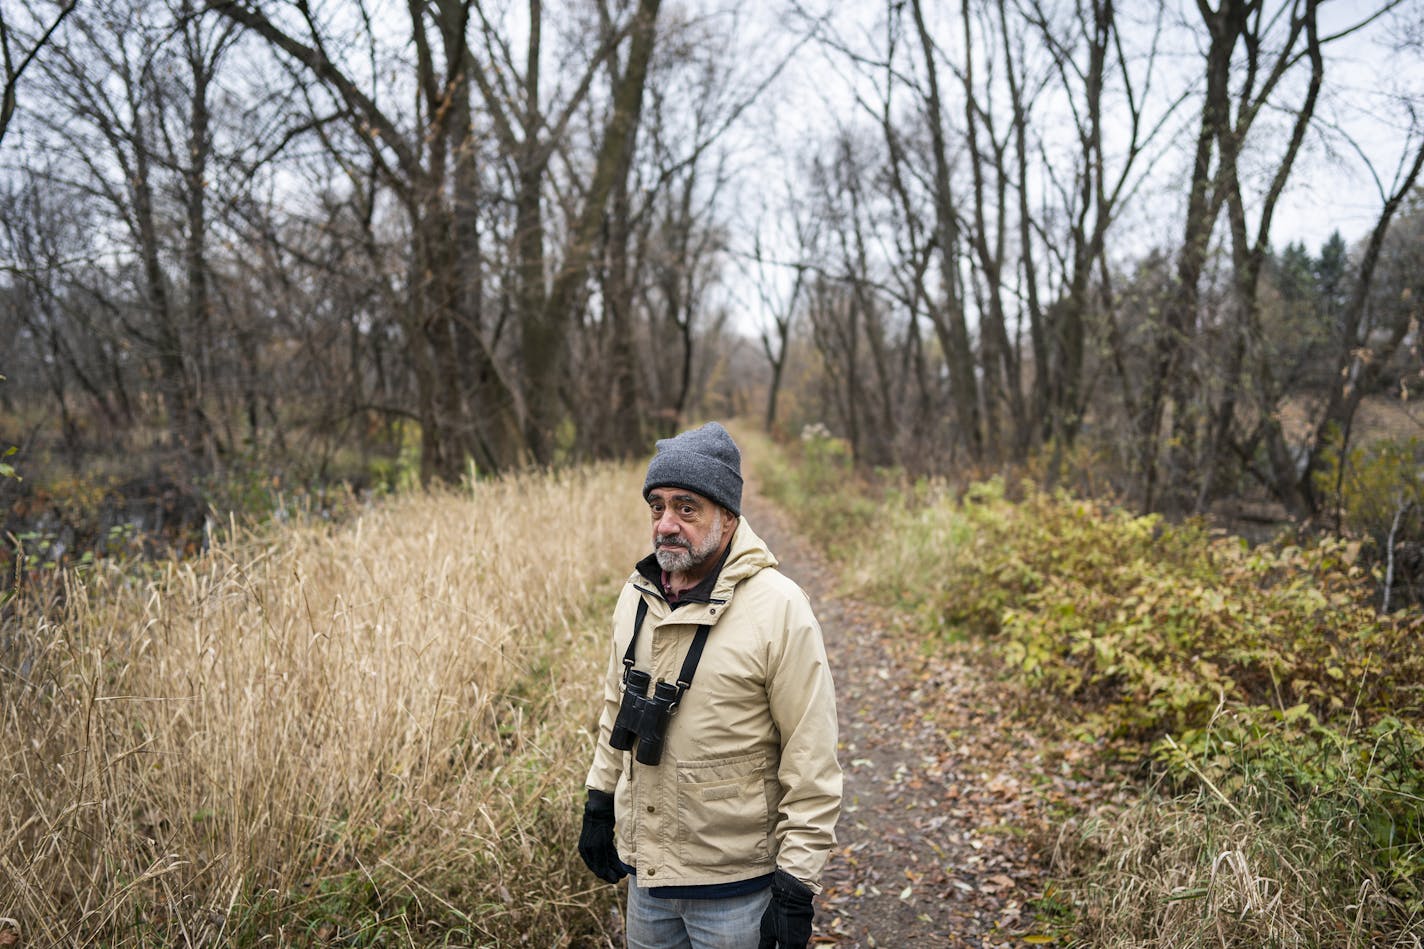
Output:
x=803 y=706
x=607 y=761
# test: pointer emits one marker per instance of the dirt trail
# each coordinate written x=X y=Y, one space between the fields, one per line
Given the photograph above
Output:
x=943 y=796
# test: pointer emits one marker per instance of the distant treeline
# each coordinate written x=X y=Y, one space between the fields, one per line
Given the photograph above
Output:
x=462 y=234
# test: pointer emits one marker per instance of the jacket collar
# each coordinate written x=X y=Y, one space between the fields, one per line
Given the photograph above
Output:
x=745 y=556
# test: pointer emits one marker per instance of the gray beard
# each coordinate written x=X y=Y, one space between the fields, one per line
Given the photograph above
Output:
x=683 y=559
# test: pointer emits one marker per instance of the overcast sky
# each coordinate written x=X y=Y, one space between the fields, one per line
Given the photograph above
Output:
x=1363 y=116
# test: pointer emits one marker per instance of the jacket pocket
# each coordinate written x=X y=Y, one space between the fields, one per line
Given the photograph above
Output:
x=723 y=818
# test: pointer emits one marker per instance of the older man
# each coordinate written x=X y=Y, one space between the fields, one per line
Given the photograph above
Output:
x=716 y=752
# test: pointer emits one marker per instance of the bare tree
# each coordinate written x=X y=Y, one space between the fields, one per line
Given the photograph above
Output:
x=656 y=247
x=1087 y=58
x=131 y=131
x=531 y=138
x=43 y=232
x=16 y=55
x=947 y=313
x=781 y=304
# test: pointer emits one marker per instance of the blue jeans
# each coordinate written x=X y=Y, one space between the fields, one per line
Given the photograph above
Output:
x=731 y=923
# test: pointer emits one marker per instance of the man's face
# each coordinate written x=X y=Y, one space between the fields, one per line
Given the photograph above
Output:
x=687 y=528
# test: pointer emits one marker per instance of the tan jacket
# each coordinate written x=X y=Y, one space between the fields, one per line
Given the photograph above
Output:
x=748 y=780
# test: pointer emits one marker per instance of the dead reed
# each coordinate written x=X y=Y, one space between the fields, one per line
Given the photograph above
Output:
x=371 y=734
x=1199 y=870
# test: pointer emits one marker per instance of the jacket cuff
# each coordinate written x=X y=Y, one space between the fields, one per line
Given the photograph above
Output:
x=813 y=887
x=789 y=888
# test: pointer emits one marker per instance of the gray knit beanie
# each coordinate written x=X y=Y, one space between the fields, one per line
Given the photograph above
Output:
x=705 y=460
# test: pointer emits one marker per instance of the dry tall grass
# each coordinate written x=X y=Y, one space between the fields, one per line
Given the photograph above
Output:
x=372 y=734
x=1191 y=872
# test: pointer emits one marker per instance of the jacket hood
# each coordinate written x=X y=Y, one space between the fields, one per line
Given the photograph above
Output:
x=747 y=555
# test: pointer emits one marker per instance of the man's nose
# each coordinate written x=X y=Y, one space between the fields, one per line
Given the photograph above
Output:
x=666 y=524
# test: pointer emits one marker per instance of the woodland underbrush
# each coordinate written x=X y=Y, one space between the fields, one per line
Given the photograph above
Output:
x=1278 y=717
x=363 y=733
x=58 y=515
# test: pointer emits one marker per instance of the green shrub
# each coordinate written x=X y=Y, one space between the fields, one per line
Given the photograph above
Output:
x=1154 y=625
x=7 y=470
x=1279 y=708
x=1354 y=783
x=1379 y=481
x=1376 y=493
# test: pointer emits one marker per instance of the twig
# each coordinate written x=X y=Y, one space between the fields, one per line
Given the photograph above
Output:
x=1389 y=553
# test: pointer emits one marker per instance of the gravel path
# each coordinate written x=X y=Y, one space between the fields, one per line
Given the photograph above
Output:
x=944 y=797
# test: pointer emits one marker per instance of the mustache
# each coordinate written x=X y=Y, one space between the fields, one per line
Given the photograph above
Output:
x=673 y=541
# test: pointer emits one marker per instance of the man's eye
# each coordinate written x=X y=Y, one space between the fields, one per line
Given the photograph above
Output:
x=687 y=511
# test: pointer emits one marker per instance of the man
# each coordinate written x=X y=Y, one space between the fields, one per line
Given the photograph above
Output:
x=716 y=752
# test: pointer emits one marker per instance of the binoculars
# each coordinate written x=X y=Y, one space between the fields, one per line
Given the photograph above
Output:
x=643 y=718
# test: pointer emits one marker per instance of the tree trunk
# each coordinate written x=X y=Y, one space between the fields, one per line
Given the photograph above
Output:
x=547 y=326
x=948 y=319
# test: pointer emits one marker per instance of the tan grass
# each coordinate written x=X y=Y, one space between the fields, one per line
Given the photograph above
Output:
x=373 y=730
x=1185 y=872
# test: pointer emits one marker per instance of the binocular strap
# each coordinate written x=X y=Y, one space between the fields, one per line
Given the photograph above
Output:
x=689 y=663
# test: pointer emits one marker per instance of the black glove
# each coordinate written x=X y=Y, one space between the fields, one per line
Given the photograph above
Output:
x=786 y=924
x=596 y=841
